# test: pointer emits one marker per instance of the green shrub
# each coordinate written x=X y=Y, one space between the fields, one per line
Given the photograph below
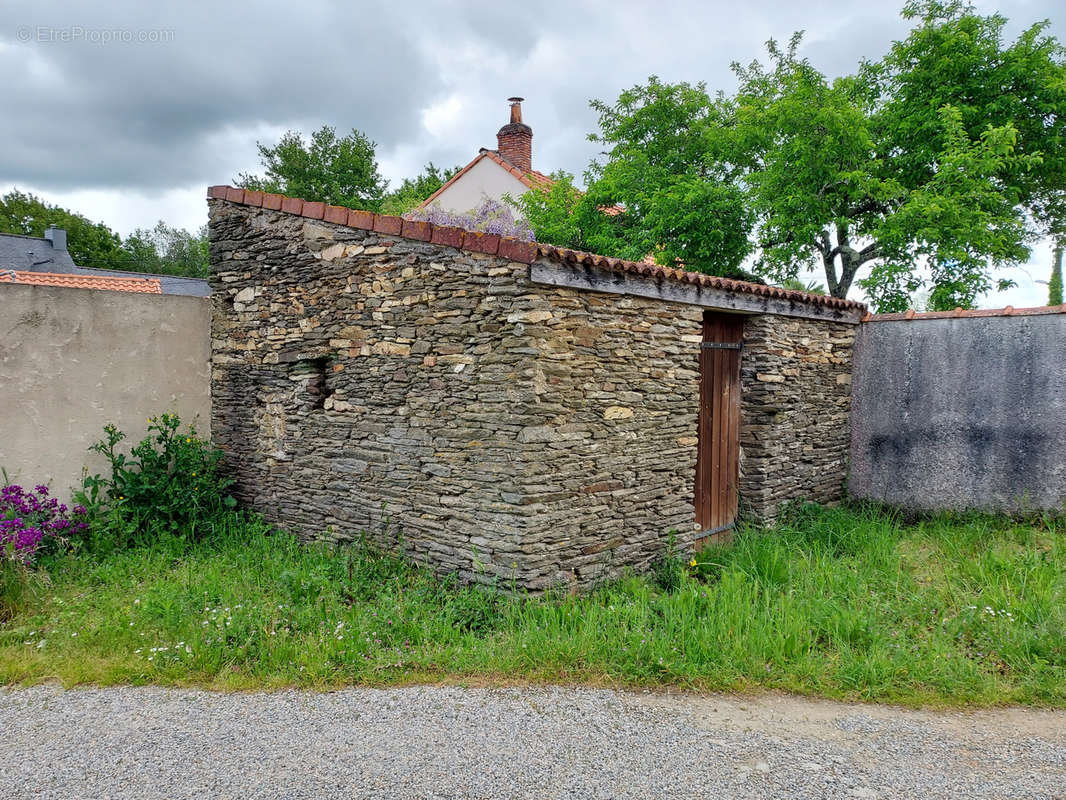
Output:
x=171 y=482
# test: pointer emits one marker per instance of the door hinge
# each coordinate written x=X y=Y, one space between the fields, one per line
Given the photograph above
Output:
x=722 y=345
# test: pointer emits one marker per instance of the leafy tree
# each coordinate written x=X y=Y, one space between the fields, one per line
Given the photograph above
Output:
x=340 y=171
x=563 y=215
x=91 y=244
x=956 y=57
x=413 y=191
x=1010 y=95
x=167 y=251
x=922 y=182
x=1054 y=293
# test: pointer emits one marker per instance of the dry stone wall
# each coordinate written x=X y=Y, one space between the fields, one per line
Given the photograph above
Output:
x=498 y=428
x=795 y=412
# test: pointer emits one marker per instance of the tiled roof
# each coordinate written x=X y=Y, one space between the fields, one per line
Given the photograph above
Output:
x=506 y=247
x=657 y=272
x=1009 y=311
x=142 y=285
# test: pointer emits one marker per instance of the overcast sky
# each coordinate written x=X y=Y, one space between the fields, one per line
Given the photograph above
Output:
x=127 y=111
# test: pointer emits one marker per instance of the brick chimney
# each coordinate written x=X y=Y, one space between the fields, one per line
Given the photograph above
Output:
x=515 y=139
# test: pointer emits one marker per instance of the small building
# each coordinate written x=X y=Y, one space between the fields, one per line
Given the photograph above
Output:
x=494 y=174
x=507 y=410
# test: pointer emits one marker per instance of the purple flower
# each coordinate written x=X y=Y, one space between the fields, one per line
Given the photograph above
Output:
x=27 y=519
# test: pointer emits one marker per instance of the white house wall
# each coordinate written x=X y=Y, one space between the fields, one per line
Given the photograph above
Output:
x=486 y=179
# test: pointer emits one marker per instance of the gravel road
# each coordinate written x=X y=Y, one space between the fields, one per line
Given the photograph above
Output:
x=428 y=742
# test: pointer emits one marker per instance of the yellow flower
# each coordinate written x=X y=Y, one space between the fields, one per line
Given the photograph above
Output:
x=194 y=474
x=692 y=563
x=187 y=441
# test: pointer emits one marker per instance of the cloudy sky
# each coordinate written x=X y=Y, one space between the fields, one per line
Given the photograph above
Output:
x=126 y=111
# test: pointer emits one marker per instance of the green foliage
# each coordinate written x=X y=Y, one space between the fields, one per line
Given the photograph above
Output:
x=1054 y=293
x=16 y=588
x=413 y=191
x=164 y=250
x=846 y=602
x=931 y=169
x=170 y=482
x=341 y=171
x=91 y=244
x=959 y=58
x=796 y=285
x=960 y=222
x=168 y=251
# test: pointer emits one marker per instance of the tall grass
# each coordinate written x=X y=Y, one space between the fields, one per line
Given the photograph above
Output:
x=846 y=603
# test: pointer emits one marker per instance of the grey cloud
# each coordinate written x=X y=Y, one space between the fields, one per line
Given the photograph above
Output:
x=186 y=112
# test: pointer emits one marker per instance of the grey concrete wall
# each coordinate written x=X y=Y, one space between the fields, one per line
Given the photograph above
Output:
x=966 y=413
x=72 y=360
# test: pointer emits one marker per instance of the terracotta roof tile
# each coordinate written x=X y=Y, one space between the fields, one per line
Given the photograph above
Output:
x=116 y=284
x=479 y=242
x=651 y=270
x=1009 y=311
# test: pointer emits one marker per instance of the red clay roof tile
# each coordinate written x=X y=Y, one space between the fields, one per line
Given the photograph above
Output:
x=116 y=284
x=1009 y=311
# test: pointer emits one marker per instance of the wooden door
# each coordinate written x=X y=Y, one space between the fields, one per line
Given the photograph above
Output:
x=718 y=454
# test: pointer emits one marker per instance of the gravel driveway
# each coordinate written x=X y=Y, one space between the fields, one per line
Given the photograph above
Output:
x=512 y=743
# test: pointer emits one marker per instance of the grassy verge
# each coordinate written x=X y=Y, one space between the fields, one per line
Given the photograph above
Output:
x=837 y=602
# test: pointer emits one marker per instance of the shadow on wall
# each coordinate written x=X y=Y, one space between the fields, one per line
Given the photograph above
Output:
x=961 y=413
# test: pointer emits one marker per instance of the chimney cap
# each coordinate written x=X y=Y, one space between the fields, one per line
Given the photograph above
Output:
x=515 y=99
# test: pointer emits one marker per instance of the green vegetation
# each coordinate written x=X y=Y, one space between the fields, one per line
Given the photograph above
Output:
x=1054 y=289
x=413 y=191
x=162 y=250
x=919 y=169
x=837 y=602
x=341 y=170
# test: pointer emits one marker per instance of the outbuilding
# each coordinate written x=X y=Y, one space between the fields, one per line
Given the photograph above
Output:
x=508 y=410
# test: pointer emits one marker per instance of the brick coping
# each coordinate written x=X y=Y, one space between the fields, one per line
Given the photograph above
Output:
x=965 y=313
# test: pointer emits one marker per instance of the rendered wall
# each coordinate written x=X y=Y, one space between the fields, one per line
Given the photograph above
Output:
x=486 y=179
x=73 y=360
x=966 y=413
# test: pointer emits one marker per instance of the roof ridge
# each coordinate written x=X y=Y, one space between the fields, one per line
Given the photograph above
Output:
x=504 y=246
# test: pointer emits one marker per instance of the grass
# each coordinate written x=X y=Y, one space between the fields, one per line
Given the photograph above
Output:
x=843 y=603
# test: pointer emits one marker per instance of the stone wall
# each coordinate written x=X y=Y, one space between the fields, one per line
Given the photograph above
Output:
x=961 y=413
x=501 y=428
x=366 y=382
x=795 y=410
